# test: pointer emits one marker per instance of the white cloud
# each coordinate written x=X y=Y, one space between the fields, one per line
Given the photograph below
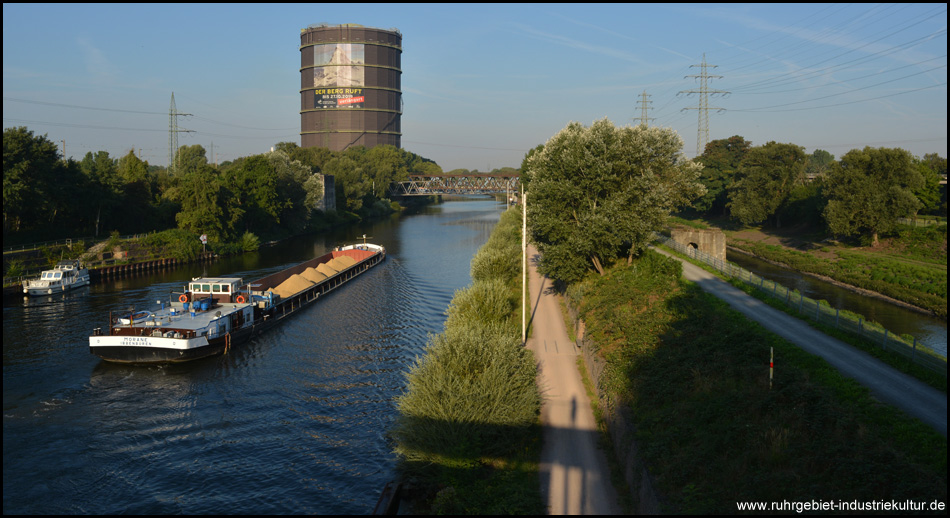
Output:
x=98 y=66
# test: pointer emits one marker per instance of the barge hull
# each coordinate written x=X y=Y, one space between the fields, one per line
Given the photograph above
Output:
x=143 y=349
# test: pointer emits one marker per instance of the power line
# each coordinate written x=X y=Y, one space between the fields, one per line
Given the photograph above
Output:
x=766 y=110
x=864 y=59
x=87 y=126
x=244 y=127
x=28 y=101
x=836 y=56
x=857 y=78
x=462 y=147
x=117 y=110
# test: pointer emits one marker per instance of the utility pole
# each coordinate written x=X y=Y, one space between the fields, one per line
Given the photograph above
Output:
x=524 y=266
x=644 y=104
x=702 y=134
x=173 y=133
x=64 y=149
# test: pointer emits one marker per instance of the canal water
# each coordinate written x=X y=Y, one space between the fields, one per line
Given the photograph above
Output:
x=928 y=330
x=295 y=422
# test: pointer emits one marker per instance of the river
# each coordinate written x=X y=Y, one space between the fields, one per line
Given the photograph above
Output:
x=295 y=422
x=928 y=329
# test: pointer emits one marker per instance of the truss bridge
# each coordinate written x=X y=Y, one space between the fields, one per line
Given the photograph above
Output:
x=472 y=183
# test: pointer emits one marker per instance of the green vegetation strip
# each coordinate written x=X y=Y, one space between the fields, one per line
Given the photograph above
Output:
x=919 y=277
x=468 y=433
x=855 y=328
x=922 y=366
x=713 y=427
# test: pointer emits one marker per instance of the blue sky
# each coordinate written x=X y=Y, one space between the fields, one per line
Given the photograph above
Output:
x=484 y=83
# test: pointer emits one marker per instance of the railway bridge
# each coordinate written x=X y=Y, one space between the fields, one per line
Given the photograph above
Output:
x=471 y=183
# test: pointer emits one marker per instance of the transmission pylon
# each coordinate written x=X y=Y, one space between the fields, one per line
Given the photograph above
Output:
x=173 y=132
x=644 y=104
x=702 y=132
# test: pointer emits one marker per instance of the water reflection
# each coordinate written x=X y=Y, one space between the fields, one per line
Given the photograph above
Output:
x=927 y=329
x=294 y=422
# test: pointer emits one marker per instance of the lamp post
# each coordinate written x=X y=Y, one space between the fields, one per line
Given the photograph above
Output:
x=524 y=265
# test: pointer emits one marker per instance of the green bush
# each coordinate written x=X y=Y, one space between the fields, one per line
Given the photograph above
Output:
x=496 y=263
x=501 y=256
x=177 y=243
x=15 y=268
x=472 y=394
x=468 y=419
x=249 y=242
x=484 y=302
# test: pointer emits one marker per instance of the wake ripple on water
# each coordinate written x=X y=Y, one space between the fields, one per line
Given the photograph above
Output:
x=295 y=421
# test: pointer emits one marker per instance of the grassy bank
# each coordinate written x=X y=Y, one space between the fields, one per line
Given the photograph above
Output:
x=468 y=430
x=175 y=243
x=929 y=374
x=711 y=429
x=910 y=265
x=920 y=283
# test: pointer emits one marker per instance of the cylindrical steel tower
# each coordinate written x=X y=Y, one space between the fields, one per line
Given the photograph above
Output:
x=350 y=86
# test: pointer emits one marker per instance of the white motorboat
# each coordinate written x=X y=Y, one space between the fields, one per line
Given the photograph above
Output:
x=66 y=275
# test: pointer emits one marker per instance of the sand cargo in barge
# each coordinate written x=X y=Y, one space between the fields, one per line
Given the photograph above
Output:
x=213 y=314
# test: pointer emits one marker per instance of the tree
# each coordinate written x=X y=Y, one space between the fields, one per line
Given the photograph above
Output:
x=190 y=159
x=936 y=163
x=384 y=165
x=32 y=189
x=202 y=197
x=596 y=194
x=349 y=182
x=764 y=182
x=869 y=189
x=132 y=169
x=818 y=163
x=929 y=191
x=720 y=160
x=291 y=176
x=253 y=204
x=137 y=188
x=101 y=169
x=314 y=188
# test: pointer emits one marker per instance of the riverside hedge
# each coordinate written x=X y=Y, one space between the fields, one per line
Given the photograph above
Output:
x=467 y=430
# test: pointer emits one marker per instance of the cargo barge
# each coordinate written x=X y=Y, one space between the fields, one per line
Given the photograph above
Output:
x=213 y=314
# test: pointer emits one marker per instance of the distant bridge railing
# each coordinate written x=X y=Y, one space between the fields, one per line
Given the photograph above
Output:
x=472 y=183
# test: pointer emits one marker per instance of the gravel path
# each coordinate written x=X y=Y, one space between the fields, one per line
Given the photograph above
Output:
x=575 y=478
